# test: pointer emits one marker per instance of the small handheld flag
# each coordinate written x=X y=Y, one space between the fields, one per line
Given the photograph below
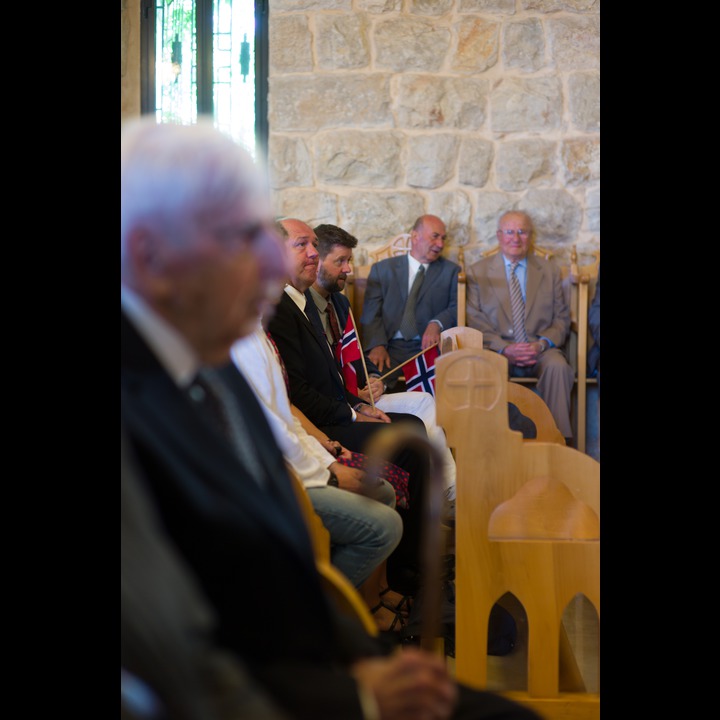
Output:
x=348 y=352
x=420 y=373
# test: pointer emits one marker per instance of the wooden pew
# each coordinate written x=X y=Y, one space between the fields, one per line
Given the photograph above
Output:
x=528 y=402
x=530 y=529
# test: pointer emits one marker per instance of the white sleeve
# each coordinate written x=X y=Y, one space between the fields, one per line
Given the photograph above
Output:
x=255 y=359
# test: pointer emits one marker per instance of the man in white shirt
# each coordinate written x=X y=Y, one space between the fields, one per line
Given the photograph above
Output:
x=363 y=531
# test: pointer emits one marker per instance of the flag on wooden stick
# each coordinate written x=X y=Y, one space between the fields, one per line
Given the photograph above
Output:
x=420 y=373
x=349 y=351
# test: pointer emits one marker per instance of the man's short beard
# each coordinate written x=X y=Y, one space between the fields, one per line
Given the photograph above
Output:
x=325 y=282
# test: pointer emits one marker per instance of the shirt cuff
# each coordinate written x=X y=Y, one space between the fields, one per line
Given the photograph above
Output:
x=368 y=704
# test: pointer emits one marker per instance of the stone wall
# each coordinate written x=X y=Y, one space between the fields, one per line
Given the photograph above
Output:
x=381 y=110
x=129 y=59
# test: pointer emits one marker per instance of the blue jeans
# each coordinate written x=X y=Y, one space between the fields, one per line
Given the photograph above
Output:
x=363 y=531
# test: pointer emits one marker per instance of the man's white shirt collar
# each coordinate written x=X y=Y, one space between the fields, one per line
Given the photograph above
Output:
x=169 y=346
x=413 y=267
x=297 y=297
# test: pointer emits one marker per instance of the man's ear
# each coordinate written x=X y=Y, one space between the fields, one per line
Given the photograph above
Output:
x=147 y=254
x=144 y=249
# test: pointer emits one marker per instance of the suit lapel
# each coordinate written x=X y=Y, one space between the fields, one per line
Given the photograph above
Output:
x=401 y=273
x=313 y=313
x=153 y=403
x=318 y=337
x=433 y=272
x=499 y=285
x=532 y=283
x=269 y=454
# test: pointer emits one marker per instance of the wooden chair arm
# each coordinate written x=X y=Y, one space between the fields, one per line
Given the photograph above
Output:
x=338 y=587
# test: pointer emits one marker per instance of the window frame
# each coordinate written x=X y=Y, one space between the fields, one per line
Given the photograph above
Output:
x=204 y=63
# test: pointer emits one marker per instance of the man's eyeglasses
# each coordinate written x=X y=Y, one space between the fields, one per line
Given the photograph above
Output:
x=519 y=233
x=235 y=236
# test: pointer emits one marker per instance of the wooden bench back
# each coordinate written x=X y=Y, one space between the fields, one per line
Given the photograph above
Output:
x=528 y=402
x=527 y=524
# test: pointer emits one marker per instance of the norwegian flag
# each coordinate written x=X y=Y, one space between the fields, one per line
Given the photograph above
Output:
x=348 y=352
x=420 y=373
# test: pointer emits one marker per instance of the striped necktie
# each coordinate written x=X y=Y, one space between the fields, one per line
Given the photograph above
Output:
x=517 y=304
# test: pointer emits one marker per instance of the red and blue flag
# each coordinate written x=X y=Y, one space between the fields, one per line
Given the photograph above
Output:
x=348 y=352
x=420 y=373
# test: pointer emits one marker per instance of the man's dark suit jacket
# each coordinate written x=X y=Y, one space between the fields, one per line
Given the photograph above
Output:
x=316 y=383
x=317 y=387
x=248 y=546
x=387 y=293
x=166 y=624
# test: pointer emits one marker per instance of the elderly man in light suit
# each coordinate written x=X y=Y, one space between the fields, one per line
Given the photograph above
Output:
x=390 y=285
x=536 y=349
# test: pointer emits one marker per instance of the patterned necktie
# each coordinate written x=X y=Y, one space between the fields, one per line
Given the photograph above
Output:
x=334 y=327
x=210 y=394
x=517 y=305
x=408 y=324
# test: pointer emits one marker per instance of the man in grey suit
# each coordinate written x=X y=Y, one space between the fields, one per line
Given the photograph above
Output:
x=533 y=348
x=395 y=330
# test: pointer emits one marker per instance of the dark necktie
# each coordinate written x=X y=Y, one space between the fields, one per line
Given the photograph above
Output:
x=334 y=327
x=216 y=401
x=408 y=324
x=517 y=304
